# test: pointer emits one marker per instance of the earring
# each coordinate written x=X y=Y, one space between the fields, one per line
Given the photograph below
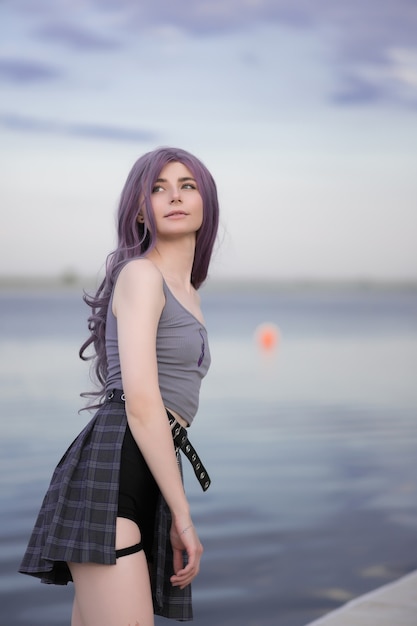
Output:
x=141 y=219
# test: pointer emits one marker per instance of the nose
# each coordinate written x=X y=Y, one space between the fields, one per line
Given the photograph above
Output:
x=176 y=195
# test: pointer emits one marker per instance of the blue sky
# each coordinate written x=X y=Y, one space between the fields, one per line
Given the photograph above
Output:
x=305 y=112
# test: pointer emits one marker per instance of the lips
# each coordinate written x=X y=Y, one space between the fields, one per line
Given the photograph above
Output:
x=174 y=213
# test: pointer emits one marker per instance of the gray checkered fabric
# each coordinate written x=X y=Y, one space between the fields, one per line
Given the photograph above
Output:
x=168 y=601
x=77 y=519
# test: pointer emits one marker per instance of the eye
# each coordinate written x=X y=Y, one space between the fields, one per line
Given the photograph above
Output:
x=157 y=188
x=189 y=186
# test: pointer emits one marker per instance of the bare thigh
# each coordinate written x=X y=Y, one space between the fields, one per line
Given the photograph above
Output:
x=114 y=595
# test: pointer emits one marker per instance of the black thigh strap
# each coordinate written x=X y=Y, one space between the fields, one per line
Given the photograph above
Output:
x=130 y=550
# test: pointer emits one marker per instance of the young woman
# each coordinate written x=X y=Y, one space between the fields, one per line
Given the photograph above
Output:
x=115 y=518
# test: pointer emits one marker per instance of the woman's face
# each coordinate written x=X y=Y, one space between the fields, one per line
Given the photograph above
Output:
x=176 y=202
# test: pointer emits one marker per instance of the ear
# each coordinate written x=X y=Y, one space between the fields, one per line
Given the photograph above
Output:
x=140 y=218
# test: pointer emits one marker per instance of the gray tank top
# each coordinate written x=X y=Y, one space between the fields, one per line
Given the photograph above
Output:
x=182 y=352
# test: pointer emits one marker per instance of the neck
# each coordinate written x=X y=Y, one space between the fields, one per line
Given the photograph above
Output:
x=174 y=261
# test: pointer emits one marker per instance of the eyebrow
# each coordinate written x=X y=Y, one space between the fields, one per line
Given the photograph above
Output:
x=180 y=180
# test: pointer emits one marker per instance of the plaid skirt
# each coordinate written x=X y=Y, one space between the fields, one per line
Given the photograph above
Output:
x=77 y=519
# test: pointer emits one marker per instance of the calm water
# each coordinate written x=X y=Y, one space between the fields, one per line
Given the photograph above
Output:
x=312 y=449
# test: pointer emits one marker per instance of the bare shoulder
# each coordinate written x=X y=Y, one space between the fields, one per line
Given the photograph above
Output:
x=141 y=269
x=138 y=277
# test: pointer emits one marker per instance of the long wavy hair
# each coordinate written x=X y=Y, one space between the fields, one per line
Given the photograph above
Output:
x=135 y=239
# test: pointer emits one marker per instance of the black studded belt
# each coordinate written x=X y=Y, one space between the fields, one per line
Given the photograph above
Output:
x=181 y=441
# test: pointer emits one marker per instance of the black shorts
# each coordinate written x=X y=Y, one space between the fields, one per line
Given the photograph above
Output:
x=138 y=491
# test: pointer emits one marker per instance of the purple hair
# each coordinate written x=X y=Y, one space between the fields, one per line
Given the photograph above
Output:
x=136 y=239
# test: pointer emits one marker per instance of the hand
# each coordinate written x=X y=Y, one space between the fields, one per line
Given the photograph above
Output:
x=184 y=537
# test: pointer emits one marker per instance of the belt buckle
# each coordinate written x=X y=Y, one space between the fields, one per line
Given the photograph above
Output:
x=176 y=430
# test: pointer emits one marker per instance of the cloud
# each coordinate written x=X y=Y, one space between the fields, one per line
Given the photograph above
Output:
x=206 y=16
x=85 y=130
x=357 y=36
x=370 y=20
x=27 y=71
x=354 y=90
x=391 y=79
x=363 y=38
x=77 y=37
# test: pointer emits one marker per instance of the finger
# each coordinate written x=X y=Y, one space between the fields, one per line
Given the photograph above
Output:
x=184 y=572
x=183 y=577
x=182 y=583
x=178 y=560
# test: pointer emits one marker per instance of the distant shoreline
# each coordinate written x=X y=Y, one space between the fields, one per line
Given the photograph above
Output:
x=72 y=282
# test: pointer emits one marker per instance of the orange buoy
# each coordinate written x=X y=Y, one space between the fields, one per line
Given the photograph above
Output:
x=267 y=336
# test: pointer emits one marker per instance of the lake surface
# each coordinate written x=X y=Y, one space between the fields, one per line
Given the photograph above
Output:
x=311 y=447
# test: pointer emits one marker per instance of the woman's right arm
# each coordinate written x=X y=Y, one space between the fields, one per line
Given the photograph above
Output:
x=137 y=304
